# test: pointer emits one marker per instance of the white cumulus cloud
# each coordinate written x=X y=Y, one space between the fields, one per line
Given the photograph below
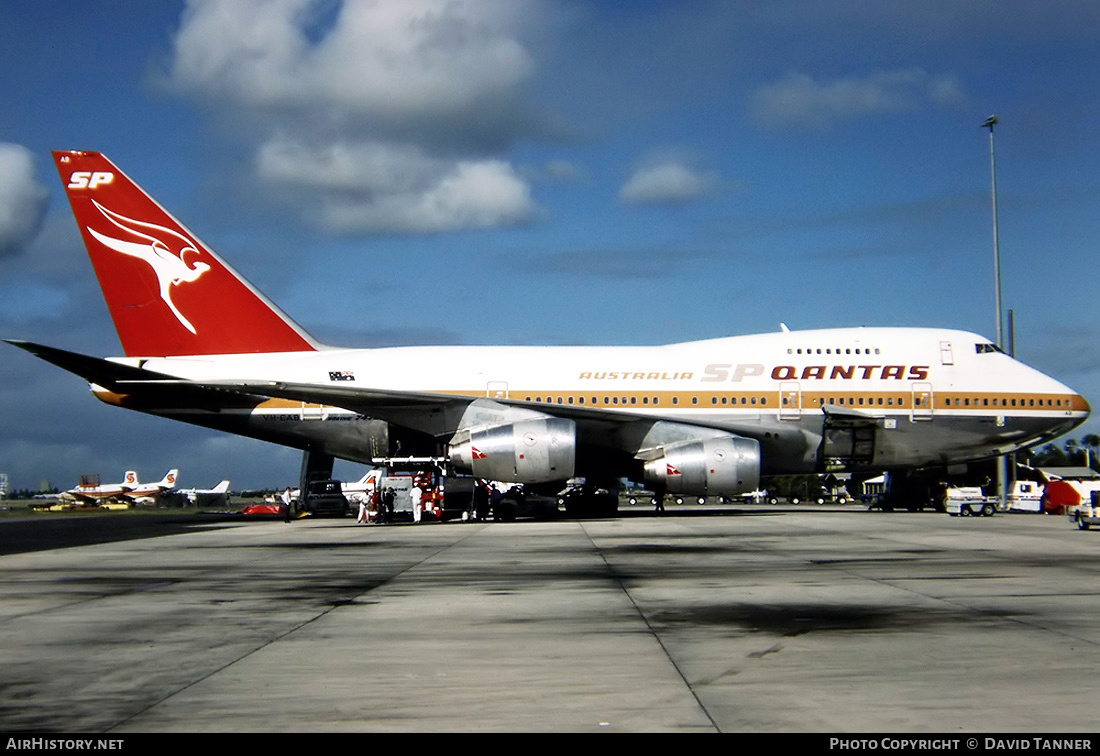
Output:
x=394 y=60
x=668 y=182
x=799 y=100
x=372 y=116
x=376 y=186
x=23 y=198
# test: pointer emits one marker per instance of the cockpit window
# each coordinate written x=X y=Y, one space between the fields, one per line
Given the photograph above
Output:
x=987 y=348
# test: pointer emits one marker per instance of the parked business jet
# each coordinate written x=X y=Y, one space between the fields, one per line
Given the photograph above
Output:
x=207 y=497
x=708 y=417
x=129 y=490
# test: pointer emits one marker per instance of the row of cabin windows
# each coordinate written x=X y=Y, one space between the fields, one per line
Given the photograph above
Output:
x=853 y=401
x=947 y=402
x=857 y=350
x=984 y=401
x=850 y=401
x=635 y=401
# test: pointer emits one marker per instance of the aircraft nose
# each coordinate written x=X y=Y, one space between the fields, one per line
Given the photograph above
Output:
x=1054 y=407
x=1072 y=409
x=1084 y=409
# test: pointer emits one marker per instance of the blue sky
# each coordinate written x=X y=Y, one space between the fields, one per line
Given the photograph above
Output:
x=529 y=172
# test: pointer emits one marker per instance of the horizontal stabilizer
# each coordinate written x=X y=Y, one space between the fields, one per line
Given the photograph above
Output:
x=92 y=369
x=165 y=390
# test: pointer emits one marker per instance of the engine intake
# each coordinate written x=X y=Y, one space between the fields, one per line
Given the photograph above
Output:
x=722 y=466
x=539 y=450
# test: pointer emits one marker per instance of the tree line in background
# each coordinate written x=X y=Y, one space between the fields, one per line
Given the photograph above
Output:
x=26 y=493
x=1073 y=453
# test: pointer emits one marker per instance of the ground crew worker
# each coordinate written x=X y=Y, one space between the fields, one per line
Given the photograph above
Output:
x=388 y=497
x=286 y=504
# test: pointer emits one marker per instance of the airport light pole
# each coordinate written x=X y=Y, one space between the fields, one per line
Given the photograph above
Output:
x=989 y=123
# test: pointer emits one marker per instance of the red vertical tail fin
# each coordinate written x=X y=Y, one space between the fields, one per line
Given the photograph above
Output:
x=168 y=293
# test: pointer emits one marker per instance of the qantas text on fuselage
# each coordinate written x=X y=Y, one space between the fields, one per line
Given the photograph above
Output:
x=727 y=372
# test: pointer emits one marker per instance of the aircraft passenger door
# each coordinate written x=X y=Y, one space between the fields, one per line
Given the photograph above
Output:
x=947 y=356
x=922 y=401
x=790 y=401
x=496 y=389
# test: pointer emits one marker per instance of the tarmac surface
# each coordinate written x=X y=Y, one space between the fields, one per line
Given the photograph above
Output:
x=705 y=619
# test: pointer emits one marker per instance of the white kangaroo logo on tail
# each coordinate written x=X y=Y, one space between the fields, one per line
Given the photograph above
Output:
x=169 y=266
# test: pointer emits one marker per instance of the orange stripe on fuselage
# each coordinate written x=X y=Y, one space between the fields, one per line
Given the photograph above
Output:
x=954 y=402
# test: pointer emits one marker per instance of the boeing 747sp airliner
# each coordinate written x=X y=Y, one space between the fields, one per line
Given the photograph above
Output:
x=708 y=417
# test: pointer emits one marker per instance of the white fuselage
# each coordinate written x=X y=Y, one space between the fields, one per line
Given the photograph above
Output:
x=810 y=397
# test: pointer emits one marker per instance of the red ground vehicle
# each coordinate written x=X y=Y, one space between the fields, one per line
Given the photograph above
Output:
x=1064 y=496
x=402 y=475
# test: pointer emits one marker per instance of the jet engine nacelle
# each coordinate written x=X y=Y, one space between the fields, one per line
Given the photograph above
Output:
x=722 y=466
x=539 y=450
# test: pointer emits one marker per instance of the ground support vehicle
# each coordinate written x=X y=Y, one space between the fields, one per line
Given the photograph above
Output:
x=680 y=499
x=648 y=497
x=584 y=501
x=820 y=499
x=516 y=502
x=325 y=497
x=400 y=475
x=1025 y=496
x=1087 y=514
x=1064 y=496
x=969 y=501
x=443 y=496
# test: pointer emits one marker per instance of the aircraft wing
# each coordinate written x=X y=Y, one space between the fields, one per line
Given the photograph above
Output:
x=393 y=406
x=433 y=413
x=363 y=400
